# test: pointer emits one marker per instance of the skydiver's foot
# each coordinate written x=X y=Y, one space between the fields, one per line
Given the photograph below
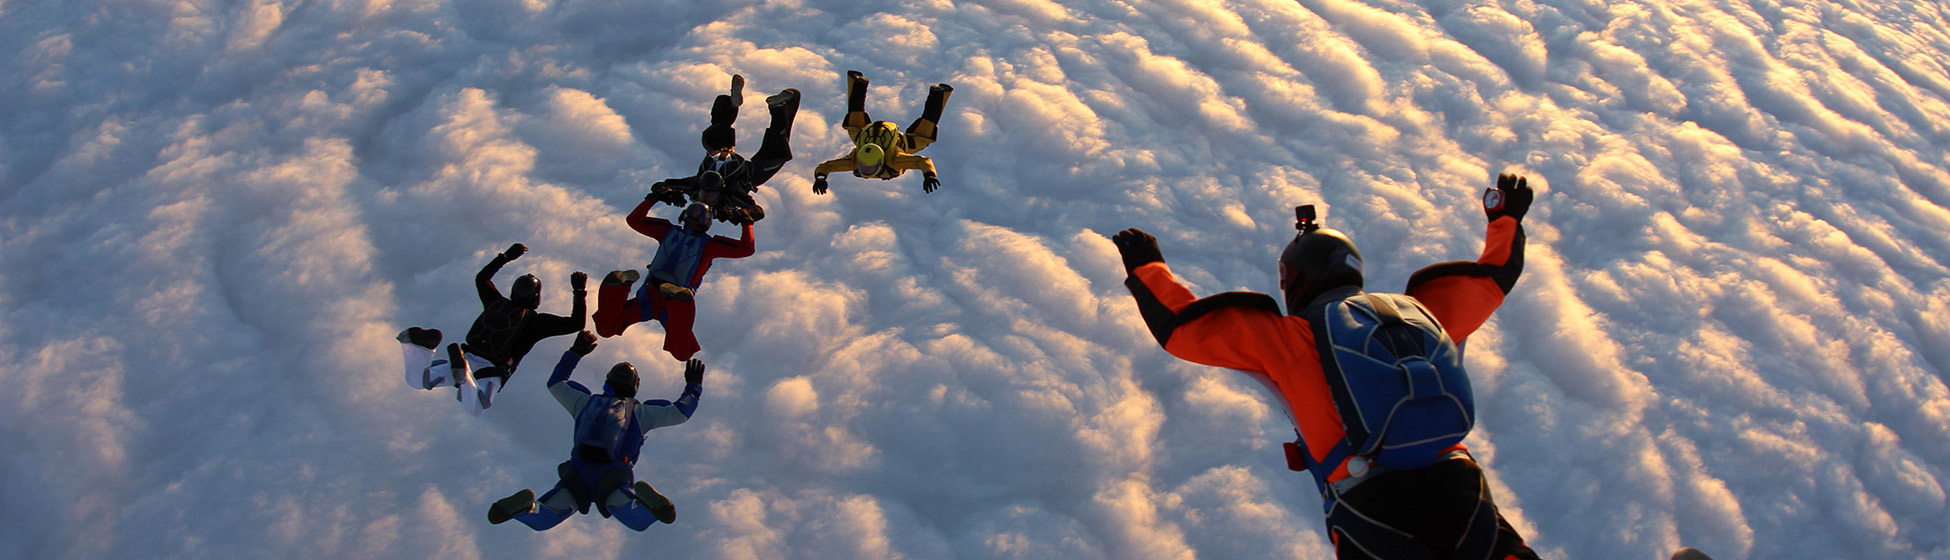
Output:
x=659 y=505
x=856 y=91
x=621 y=277
x=675 y=292
x=937 y=100
x=784 y=106
x=737 y=89
x=424 y=338
x=459 y=364
x=511 y=506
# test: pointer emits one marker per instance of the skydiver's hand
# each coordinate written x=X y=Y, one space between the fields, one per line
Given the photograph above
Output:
x=1137 y=247
x=578 y=280
x=1511 y=197
x=929 y=183
x=694 y=372
x=584 y=344
x=819 y=185
x=657 y=191
x=514 y=251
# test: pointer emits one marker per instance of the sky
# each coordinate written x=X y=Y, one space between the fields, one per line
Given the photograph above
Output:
x=1732 y=330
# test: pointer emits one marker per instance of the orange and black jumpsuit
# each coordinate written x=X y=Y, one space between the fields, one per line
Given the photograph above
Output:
x=1246 y=331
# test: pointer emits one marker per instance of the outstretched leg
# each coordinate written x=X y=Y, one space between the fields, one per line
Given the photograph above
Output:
x=615 y=312
x=925 y=129
x=856 y=104
x=673 y=306
x=423 y=371
x=775 y=151
x=539 y=515
x=724 y=111
x=640 y=506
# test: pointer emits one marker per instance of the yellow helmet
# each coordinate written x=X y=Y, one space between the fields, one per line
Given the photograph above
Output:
x=868 y=157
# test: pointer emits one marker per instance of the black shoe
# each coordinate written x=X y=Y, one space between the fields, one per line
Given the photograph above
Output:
x=856 y=91
x=660 y=507
x=511 y=506
x=737 y=89
x=424 y=338
x=784 y=106
x=459 y=364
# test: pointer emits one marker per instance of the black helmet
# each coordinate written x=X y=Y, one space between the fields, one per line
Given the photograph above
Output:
x=527 y=291
x=696 y=217
x=1316 y=261
x=621 y=380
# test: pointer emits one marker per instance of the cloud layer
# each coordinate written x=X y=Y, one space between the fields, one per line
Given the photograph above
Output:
x=1731 y=333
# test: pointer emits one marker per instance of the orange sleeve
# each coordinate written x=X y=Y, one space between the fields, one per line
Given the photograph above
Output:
x=1237 y=330
x=1463 y=295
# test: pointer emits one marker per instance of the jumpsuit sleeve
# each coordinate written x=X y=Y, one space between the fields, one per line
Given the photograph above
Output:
x=661 y=413
x=571 y=395
x=484 y=280
x=914 y=162
x=1463 y=294
x=640 y=220
x=728 y=248
x=842 y=164
x=1236 y=330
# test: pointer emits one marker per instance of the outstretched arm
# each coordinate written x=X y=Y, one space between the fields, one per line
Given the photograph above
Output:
x=1464 y=294
x=1230 y=330
x=660 y=413
x=484 y=280
x=571 y=395
x=640 y=220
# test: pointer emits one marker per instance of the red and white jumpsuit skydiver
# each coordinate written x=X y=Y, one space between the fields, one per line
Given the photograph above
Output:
x=507 y=328
x=881 y=150
x=609 y=433
x=684 y=254
x=1421 y=513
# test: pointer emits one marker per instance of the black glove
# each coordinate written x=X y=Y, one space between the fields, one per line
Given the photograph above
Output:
x=819 y=185
x=1511 y=197
x=929 y=183
x=694 y=372
x=578 y=280
x=584 y=344
x=514 y=251
x=657 y=191
x=1137 y=247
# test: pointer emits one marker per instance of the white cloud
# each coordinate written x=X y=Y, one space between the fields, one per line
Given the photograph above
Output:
x=1729 y=335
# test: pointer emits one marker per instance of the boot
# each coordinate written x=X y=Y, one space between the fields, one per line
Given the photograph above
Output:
x=511 y=506
x=737 y=90
x=937 y=99
x=784 y=106
x=459 y=364
x=856 y=91
x=659 y=505
x=424 y=338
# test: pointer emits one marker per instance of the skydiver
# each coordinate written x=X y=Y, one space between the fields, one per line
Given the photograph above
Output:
x=609 y=433
x=684 y=254
x=507 y=328
x=1441 y=509
x=882 y=151
x=736 y=179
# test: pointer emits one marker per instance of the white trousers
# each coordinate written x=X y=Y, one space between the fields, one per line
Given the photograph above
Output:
x=427 y=368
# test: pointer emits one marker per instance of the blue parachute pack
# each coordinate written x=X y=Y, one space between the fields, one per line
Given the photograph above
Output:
x=607 y=430
x=1397 y=381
